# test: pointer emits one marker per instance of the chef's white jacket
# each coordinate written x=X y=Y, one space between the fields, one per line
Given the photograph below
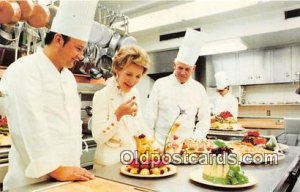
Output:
x=43 y=112
x=162 y=108
x=226 y=103
x=112 y=136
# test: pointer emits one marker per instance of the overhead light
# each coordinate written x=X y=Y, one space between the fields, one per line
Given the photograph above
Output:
x=186 y=11
x=154 y=19
x=205 y=8
x=224 y=46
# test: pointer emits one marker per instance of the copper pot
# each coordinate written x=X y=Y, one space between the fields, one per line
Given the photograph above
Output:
x=26 y=9
x=40 y=16
x=10 y=12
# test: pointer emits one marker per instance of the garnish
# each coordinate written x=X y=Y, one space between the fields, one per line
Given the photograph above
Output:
x=175 y=126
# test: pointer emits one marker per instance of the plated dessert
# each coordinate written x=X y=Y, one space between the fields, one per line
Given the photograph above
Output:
x=149 y=162
x=222 y=169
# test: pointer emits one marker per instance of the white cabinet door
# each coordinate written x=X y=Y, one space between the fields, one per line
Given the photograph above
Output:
x=263 y=60
x=229 y=67
x=295 y=63
x=282 y=65
x=226 y=63
x=245 y=68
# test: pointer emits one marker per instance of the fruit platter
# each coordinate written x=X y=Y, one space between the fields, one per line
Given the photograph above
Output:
x=149 y=162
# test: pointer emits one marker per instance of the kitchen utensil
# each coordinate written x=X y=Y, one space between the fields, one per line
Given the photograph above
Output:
x=6 y=34
x=113 y=44
x=95 y=73
x=10 y=12
x=26 y=7
x=40 y=16
x=100 y=34
x=53 y=10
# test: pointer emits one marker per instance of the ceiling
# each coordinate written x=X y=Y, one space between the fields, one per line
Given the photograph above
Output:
x=140 y=7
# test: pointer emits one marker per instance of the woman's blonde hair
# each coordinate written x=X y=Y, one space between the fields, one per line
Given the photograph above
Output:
x=130 y=54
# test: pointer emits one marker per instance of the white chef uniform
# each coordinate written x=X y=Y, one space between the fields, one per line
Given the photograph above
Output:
x=227 y=102
x=43 y=106
x=167 y=94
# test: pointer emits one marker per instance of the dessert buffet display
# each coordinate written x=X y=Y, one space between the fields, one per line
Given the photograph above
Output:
x=196 y=146
x=225 y=121
x=257 y=148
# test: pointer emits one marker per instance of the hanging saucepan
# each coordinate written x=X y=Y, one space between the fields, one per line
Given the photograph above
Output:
x=40 y=16
x=6 y=34
x=53 y=10
x=112 y=48
x=126 y=40
x=100 y=34
x=10 y=12
x=104 y=64
x=26 y=9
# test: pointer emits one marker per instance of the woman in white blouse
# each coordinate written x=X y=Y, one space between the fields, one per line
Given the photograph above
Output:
x=116 y=114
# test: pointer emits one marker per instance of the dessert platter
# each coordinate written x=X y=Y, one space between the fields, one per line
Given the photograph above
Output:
x=184 y=150
x=220 y=171
x=259 y=149
x=225 y=121
x=149 y=162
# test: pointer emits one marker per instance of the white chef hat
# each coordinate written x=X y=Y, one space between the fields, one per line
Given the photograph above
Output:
x=74 y=18
x=221 y=80
x=190 y=49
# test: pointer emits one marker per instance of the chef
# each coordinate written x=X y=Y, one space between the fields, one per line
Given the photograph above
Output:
x=180 y=90
x=225 y=101
x=42 y=104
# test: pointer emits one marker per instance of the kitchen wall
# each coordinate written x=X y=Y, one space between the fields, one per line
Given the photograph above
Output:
x=220 y=28
x=255 y=23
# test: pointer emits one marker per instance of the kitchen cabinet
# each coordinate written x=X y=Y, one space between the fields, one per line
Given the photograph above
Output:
x=245 y=68
x=254 y=67
x=282 y=67
x=226 y=63
x=295 y=63
x=262 y=66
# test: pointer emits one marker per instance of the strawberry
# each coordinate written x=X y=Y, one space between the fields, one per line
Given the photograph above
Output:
x=135 y=163
x=253 y=133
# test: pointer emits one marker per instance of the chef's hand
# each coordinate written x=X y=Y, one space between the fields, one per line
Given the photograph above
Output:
x=127 y=108
x=67 y=173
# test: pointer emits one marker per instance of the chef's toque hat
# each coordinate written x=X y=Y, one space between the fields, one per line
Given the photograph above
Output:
x=190 y=49
x=221 y=80
x=74 y=18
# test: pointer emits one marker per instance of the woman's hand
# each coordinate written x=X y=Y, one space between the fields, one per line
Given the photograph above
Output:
x=127 y=108
x=67 y=173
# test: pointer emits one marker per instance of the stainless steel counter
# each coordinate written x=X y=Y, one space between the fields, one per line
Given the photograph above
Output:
x=269 y=177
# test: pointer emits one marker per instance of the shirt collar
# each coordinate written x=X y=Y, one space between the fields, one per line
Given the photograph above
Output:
x=173 y=77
